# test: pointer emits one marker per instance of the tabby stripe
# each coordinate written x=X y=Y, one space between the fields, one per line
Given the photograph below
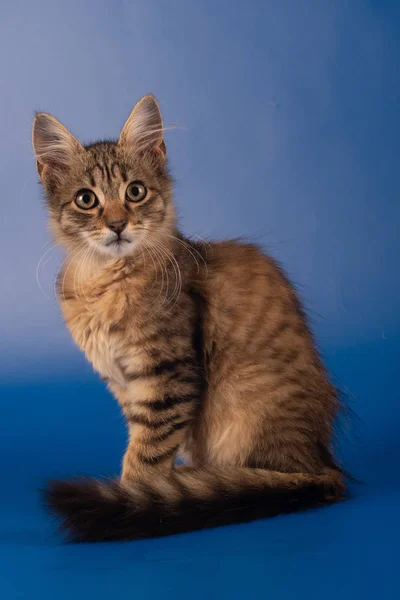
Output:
x=137 y=419
x=170 y=431
x=100 y=168
x=123 y=173
x=258 y=321
x=153 y=460
x=278 y=331
x=62 y=208
x=121 y=277
x=109 y=180
x=301 y=395
x=186 y=379
x=270 y=341
x=165 y=366
x=284 y=355
x=114 y=167
x=162 y=332
x=168 y=365
x=291 y=356
x=167 y=402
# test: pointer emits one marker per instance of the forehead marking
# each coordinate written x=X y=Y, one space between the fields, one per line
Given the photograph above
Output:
x=108 y=174
x=116 y=170
x=99 y=167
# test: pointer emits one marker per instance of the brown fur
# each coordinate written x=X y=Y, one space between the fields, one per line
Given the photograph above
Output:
x=204 y=345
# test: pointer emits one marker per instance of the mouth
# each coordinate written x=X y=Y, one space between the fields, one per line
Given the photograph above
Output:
x=118 y=242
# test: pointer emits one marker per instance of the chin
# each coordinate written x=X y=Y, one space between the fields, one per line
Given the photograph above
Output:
x=119 y=249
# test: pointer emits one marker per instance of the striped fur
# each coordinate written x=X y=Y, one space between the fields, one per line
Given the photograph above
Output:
x=204 y=345
x=187 y=501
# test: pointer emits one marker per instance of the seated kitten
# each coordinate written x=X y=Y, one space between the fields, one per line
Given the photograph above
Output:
x=204 y=345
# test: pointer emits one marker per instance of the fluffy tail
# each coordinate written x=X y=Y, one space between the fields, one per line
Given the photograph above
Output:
x=93 y=510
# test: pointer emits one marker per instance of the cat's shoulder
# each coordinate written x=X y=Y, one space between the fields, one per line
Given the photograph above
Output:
x=242 y=253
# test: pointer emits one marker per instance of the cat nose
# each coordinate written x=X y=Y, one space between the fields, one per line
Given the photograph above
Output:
x=117 y=226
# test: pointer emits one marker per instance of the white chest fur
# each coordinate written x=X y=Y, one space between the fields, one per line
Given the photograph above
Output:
x=95 y=319
x=101 y=346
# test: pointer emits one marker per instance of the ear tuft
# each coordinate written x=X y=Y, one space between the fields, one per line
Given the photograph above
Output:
x=53 y=144
x=144 y=128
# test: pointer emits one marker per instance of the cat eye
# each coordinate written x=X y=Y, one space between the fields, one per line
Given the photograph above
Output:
x=86 y=199
x=135 y=192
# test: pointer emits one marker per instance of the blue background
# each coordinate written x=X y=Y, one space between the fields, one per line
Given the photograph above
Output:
x=285 y=126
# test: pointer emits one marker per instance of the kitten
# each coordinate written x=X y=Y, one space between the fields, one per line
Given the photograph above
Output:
x=205 y=347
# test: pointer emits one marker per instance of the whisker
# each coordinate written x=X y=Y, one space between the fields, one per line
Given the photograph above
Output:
x=39 y=265
x=190 y=250
x=159 y=256
x=78 y=271
x=184 y=245
x=172 y=260
x=178 y=281
x=206 y=242
x=73 y=252
x=83 y=262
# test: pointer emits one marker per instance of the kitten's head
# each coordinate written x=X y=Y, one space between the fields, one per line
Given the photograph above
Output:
x=110 y=196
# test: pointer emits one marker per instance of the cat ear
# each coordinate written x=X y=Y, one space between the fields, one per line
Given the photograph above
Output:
x=53 y=144
x=144 y=128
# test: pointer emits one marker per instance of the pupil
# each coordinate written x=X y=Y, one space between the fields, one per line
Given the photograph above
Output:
x=86 y=198
x=135 y=191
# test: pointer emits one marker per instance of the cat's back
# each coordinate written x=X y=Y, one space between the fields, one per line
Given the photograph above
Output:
x=250 y=302
x=242 y=272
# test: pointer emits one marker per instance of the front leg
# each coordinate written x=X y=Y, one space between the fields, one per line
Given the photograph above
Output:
x=159 y=403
